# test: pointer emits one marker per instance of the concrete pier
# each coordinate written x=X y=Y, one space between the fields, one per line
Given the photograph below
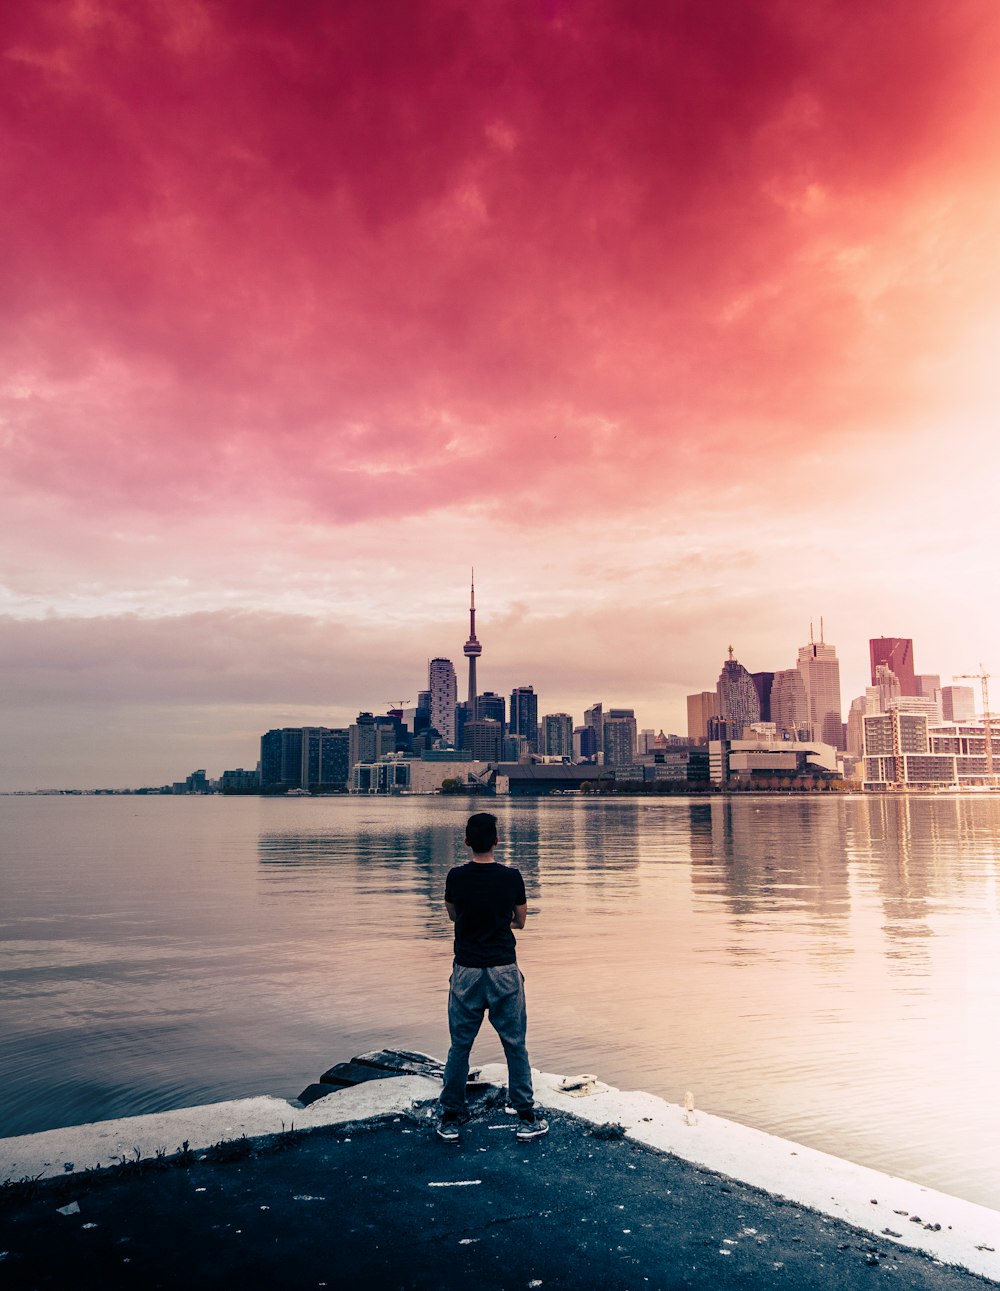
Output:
x=355 y=1189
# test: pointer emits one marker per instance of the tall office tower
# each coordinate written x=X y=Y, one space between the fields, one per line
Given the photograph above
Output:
x=896 y=653
x=856 y=726
x=763 y=681
x=738 y=702
x=484 y=739
x=789 y=706
x=557 y=735
x=422 y=713
x=443 y=685
x=515 y=747
x=490 y=704
x=594 y=717
x=472 y=650
x=820 y=669
x=701 y=708
x=524 y=715
x=619 y=737
x=281 y=759
x=958 y=703
x=645 y=739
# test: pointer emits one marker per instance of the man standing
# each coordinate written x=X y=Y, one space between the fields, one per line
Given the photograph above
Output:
x=485 y=901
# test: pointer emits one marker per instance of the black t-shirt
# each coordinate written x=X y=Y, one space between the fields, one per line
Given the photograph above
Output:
x=484 y=897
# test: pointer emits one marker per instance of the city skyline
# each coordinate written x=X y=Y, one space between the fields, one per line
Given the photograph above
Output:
x=677 y=324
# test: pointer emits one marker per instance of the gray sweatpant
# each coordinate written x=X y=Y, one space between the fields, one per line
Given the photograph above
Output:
x=473 y=992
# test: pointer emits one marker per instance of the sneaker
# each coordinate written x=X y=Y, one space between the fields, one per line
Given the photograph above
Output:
x=449 y=1125
x=530 y=1127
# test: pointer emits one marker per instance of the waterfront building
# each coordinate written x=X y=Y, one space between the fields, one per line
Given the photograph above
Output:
x=325 y=758
x=472 y=650
x=820 y=670
x=524 y=715
x=240 y=781
x=619 y=737
x=897 y=654
x=743 y=760
x=905 y=749
x=281 y=759
x=390 y=776
x=958 y=703
x=789 y=705
x=443 y=687
x=557 y=735
x=738 y=702
x=700 y=709
x=196 y=782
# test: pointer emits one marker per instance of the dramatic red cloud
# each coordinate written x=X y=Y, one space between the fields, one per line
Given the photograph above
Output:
x=679 y=319
x=361 y=259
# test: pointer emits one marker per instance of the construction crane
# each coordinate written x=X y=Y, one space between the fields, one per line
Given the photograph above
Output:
x=397 y=704
x=982 y=676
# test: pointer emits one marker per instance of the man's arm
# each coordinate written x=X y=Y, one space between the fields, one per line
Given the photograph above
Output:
x=520 y=915
x=453 y=913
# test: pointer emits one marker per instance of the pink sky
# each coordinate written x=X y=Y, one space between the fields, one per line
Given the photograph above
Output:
x=678 y=320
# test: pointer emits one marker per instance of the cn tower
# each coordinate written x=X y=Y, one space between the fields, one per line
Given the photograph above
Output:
x=472 y=652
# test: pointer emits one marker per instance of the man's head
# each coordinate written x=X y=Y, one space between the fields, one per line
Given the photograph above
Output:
x=481 y=832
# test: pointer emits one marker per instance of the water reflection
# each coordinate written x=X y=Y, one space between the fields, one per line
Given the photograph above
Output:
x=770 y=857
x=820 y=967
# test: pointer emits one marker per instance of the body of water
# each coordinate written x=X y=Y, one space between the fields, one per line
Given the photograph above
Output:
x=825 y=968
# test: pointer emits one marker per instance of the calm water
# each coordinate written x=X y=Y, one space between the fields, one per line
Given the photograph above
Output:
x=824 y=968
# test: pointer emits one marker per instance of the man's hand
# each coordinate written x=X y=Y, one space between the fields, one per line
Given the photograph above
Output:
x=519 y=916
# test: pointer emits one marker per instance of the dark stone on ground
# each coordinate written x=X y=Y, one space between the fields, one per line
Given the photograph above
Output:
x=354 y=1073
x=402 y=1062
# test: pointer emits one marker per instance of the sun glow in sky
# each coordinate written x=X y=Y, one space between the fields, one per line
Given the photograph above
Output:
x=679 y=320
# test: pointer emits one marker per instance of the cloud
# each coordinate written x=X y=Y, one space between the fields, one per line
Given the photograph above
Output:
x=354 y=262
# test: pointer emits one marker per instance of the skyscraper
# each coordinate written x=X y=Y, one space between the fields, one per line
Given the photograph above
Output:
x=739 y=705
x=594 y=718
x=557 y=735
x=763 y=682
x=524 y=715
x=820 y=669
x=619 y=737
x=896 y=653
x=700 y=708
x=490 y=704
x=789 y=706
x=472 y=650
x=443 y=686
